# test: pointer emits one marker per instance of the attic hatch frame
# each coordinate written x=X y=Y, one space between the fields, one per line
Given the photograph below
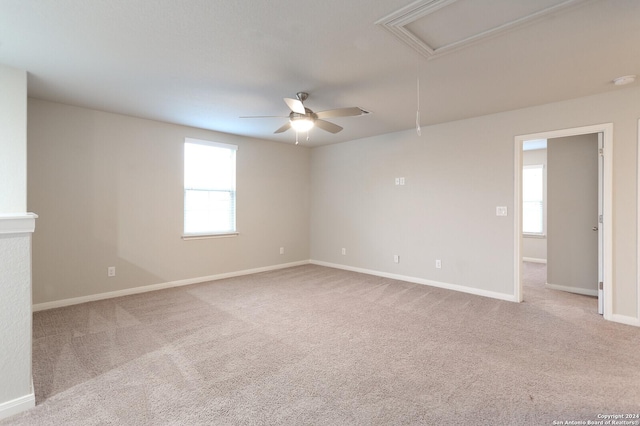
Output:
x=397 y=24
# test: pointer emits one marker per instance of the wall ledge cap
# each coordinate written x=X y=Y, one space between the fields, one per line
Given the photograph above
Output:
x=17 y=223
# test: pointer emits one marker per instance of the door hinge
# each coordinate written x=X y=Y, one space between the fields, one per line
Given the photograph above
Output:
x=600 y=285
x=601 y=152
x=600 y=219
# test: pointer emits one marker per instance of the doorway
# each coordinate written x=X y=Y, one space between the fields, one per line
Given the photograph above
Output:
x=605 y=194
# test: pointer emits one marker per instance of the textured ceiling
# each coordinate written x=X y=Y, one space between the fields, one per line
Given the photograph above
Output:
x=205 y=63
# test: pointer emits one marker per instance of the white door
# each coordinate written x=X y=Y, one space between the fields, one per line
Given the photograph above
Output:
x=573 y=214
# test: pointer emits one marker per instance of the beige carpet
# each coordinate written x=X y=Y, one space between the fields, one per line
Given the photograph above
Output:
x=317 y=346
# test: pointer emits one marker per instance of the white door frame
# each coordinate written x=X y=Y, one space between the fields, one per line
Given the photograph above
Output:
x=638 y=232
x=607 y=130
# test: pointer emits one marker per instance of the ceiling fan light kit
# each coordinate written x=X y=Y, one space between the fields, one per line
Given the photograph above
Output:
x=301 y=123
x=303 y=119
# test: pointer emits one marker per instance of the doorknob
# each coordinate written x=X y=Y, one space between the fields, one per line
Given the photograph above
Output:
x=595 y=228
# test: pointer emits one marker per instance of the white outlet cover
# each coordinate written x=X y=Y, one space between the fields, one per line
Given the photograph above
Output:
x=501 y=210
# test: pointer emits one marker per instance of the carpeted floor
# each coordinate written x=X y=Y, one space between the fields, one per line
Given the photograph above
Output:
x=312 y=345
x=534 y=276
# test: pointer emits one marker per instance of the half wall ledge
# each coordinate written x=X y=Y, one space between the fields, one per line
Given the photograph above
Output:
x=17 y=223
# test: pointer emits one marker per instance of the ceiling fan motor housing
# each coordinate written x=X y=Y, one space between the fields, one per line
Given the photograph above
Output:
x=310 y=115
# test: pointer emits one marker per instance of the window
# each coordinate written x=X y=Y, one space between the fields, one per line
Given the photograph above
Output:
x=209 y=188
x=532 y=199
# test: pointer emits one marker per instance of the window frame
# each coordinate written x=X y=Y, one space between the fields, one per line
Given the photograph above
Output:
x=209 y=234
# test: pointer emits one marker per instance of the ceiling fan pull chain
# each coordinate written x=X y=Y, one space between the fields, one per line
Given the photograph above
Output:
x=296 y=138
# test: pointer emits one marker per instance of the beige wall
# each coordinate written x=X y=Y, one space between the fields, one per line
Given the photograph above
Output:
x=572 y=211
x=535 y=247
x=108 y=190
x=456 y=174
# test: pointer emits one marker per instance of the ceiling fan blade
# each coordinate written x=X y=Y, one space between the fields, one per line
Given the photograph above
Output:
x=329 y=127
x=341 y=112
x=284 y=127
x=295 y=105
x=264 y=116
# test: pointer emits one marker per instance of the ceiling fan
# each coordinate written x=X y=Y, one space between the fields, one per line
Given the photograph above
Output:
x=302 y=119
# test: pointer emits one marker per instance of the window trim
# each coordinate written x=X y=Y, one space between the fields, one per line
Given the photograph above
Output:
x=534 y=235
x=208 y=235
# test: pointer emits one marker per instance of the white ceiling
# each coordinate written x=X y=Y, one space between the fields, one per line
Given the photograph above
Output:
x=205 y=63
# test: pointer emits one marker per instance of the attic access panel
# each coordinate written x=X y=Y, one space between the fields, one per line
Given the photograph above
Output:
x=435 y=27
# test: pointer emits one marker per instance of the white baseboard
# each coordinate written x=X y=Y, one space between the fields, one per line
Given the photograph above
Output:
x=161 y=286
x=534 y=260
x=623 y=319
x=18 y=405
x=583 y=291
x=454 y=287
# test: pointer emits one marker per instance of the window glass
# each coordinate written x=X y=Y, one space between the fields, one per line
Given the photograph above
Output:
x=209 y=188
x=532 y=199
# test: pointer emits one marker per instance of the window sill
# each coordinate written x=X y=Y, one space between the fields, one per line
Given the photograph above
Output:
x=534 y=235
x=208 y=236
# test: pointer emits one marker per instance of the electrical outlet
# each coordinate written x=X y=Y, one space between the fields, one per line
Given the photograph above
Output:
x=501 y=210
x=344 y=251
x=111 y=271
x=396 y=258
x=438 y=264
x=281 y=250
